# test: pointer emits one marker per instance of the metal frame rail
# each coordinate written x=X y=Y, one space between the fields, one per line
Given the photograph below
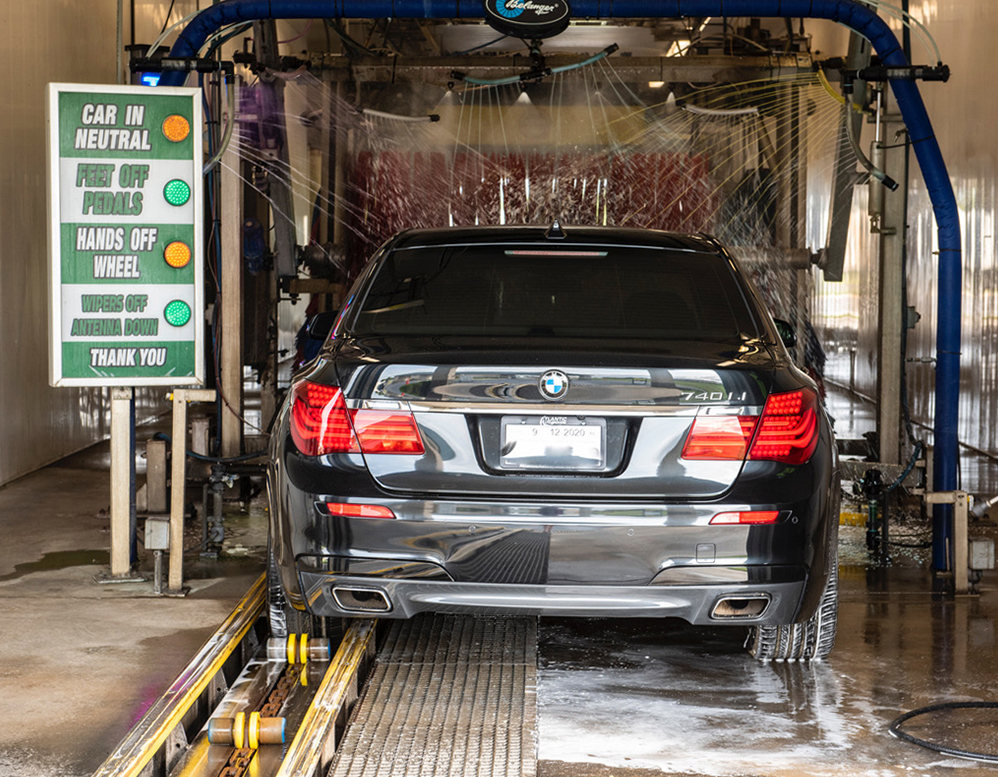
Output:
x=158 y=744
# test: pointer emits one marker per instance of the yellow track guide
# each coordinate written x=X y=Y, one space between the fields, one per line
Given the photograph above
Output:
x=145 y=739
x=156 y=745
x=312 y=749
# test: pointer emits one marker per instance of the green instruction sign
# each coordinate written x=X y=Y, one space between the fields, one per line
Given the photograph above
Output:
x=125 y=220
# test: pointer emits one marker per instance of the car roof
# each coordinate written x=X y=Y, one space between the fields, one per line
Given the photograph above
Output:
x=557 y=235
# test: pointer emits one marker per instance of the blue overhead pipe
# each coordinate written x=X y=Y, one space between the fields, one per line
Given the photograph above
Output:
x=849 y=13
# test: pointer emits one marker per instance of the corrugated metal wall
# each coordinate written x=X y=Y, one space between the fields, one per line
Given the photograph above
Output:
x=43 y=41
x=964 y=112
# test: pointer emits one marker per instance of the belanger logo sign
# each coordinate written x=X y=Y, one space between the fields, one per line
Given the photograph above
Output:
x=528 y=18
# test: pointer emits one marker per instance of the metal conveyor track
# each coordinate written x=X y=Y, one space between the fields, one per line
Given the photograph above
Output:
x=449 y=695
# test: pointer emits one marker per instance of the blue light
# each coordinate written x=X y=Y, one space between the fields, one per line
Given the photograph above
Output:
x=150 y=79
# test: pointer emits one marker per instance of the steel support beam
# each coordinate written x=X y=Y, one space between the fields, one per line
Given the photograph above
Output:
x=178 y=482
x=790 y=227
x=281 y=205
x=709 y=68
x=282 y=214
x=122 y=483
x=340 y=180
x=890 y=325
x=231 y=305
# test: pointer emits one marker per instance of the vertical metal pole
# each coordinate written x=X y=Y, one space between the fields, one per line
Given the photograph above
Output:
x=890 y=314
x=157 y=579
x=231 y=314
x=282 y=211
x=798 y=224
x=339 y=177
x=844 y=175
x=178 y=490
x=325 y=147
x=175 y=582
x=133 y=525
x=961 y=582
x=790 y=207
x=121 y=494
x=119 y=41
x=784 y=229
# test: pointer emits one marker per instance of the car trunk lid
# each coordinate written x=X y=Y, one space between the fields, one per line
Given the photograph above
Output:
x=546 y=417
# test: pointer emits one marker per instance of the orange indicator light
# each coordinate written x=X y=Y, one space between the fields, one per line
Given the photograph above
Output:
x=176 y=128
x=177 y=254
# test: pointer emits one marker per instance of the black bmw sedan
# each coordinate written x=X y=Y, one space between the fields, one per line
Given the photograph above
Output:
x=546 y=421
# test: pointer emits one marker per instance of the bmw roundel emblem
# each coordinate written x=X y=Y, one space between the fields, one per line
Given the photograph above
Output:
x=553 y=384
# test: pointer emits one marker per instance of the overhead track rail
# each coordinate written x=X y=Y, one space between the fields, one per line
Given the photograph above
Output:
x=854 y=15
x=703 y=68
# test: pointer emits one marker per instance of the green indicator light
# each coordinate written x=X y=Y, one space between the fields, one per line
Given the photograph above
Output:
x=177 y=313
x=177 y=192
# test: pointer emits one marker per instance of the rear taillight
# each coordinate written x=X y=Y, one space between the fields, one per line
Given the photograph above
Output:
x=787 y=431
x=351 y=510
x=746 y=517
x=386 y=431
x=319 y=422
x=719 y=437
x=322 y=423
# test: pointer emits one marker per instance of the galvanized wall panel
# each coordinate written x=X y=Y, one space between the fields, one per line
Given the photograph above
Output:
x=48 y=40
x=964 y=112
x=45 y=41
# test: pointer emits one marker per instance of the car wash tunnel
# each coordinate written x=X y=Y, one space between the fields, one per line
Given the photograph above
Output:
x=558 y=388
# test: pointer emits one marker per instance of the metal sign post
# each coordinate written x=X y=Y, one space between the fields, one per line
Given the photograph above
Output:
x=180 y=399
x=125 y=256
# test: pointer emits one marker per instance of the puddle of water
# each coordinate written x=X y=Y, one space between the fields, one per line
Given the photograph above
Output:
x=60 y=560
x=25 y=762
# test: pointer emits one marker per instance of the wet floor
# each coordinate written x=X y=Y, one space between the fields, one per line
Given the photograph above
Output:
x=80 y=662
x=663 y=696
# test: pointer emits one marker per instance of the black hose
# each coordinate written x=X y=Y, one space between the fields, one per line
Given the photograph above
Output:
x=213 y=459
x=911 y=465
x=229 y=460
x=895 y=729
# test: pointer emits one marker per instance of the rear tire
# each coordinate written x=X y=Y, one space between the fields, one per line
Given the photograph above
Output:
x=811 y=640
x=285 y=619
x=282 y=616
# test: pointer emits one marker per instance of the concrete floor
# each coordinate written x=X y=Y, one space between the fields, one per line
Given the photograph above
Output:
x=80 y=662
x=645 y=695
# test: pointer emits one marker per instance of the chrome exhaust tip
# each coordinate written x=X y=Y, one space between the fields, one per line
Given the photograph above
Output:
x=739 y=607
x=361 y=599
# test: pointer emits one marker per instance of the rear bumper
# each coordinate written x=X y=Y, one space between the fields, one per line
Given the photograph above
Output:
x=335 y=595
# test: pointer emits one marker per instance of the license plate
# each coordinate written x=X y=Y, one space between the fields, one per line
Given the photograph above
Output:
x=553 y=442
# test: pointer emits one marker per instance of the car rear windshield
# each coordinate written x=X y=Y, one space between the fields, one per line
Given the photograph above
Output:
x=605 y=292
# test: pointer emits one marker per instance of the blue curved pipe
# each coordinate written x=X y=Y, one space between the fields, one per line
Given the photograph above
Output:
x=846 y=12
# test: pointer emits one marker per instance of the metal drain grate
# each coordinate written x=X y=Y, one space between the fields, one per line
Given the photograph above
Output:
x=452 y=696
